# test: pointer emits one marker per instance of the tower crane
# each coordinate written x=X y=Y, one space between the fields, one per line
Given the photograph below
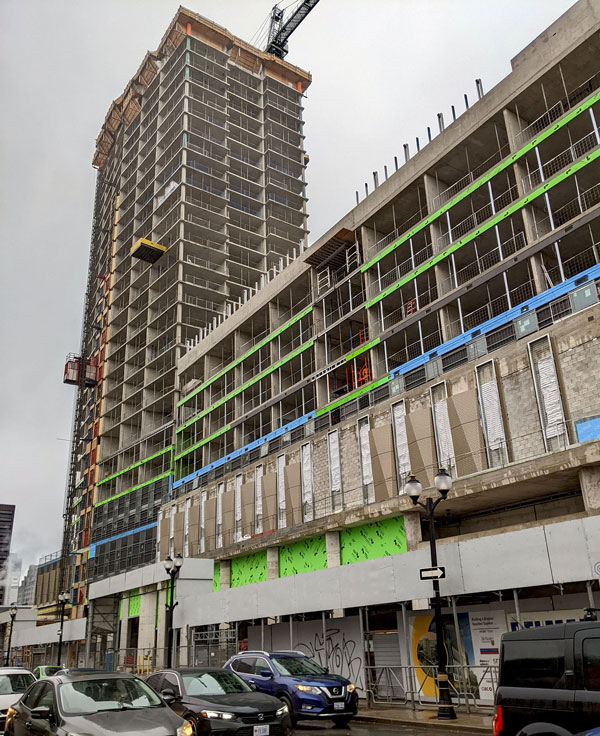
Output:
x=279 y=32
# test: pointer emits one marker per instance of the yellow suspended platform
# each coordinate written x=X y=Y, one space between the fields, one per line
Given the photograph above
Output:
x=147 y=251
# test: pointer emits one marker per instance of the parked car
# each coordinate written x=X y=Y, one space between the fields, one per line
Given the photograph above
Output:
x=94 y=704
x=304 y=686
x=549 y=681
x=217 y=700
x=45 y=670
x=13 y=683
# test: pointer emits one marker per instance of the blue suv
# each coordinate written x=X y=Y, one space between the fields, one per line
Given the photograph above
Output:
x=308 y=689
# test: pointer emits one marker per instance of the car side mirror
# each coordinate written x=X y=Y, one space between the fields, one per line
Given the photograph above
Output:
x=265 y=673
x=42 y=712
x=169 y=696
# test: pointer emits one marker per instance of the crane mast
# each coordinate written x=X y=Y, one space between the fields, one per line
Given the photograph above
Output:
x=279 y=32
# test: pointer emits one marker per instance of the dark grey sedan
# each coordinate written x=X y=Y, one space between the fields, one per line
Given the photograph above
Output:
x=93 y=704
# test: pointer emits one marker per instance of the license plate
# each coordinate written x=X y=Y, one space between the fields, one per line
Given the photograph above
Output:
x=338 y=706
x=261 y=731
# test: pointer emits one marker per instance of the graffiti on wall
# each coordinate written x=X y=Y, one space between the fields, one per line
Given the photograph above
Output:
x=341 y=650
x=342 y=655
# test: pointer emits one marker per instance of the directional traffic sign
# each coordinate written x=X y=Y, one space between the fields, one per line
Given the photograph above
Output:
x=433 y=573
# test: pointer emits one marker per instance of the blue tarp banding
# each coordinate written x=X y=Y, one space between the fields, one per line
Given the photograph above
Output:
x=120 y=536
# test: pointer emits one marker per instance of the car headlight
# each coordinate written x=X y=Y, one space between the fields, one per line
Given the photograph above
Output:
x=308 y=689
x=217 y=714
x=186 y=730
x=283 y=710
x=351 y=687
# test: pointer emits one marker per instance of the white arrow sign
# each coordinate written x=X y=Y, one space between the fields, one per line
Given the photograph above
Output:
x=433 y=573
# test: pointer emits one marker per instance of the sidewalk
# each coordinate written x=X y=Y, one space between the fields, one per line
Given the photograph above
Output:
x=400 y=715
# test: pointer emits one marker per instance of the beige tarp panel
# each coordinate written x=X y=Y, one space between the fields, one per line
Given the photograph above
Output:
x=227 y=518
x=178 y=541
x=247 y=492
x=383 y=462
x=467 y=437
x=210 y=523
x=194 y=530
x=293 y=494
x=421 y=446
x=165 y=526
x=269 y=494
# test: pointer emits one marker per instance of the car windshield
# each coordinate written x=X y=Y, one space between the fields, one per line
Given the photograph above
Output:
x=214 y=683
x=48 y=670
x=15 y=682
x=297 y=666
x=85 y=697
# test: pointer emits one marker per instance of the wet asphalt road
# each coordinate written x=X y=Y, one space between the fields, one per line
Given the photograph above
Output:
x=325 y=728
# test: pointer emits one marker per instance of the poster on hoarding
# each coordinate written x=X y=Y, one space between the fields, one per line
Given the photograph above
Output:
x=477 y=645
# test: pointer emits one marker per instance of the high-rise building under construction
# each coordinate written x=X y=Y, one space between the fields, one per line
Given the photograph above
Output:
x=200 y=198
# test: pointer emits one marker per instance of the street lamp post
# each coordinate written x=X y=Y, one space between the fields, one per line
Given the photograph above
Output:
x=443 y=484
x=172 y=567
x=12 y=612
x=62 y=602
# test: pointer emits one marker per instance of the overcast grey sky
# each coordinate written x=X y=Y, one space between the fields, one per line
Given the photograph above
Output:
x=382 y=70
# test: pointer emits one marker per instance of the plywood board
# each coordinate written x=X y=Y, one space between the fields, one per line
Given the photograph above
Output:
x=247 y=492
x=227 y=518
x=164 y=537
x=421 y=446
x=178 y=535
x=210 y=522
x=383 y=462
x=467 y=437
x=269 y=502
x=194 y=530
x=293 y=494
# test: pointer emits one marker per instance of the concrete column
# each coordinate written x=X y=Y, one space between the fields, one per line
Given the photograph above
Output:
x=449 y=315
x=332 y=546
x=412 y=529
x=147 y=619
x=589 y=479
x=184 y=646
x=272 y=563
x=161 y=634
x=225 y=580
x=539 y=280
x=514 y=124
x=124 y=623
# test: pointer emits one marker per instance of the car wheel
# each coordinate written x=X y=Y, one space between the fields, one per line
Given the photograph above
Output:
x=192 y=721
x=293 y=715
x=342 y=721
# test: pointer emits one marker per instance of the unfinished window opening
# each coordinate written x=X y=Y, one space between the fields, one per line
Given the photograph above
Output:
x=491 y=415
x=281 y=492
x=307 y=483
x=441 y=424
x=219 y=516
x=547 y=394
x=202 y=545
x=335 y=473
x=237 y=500
x=186 y=527
x=258 y=507
x=400 y=443
x=366 y=468
x=172 y=512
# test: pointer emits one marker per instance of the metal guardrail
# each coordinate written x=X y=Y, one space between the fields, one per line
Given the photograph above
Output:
x=472 y=687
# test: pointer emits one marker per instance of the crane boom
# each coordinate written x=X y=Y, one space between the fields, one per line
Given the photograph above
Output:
x=279 y=32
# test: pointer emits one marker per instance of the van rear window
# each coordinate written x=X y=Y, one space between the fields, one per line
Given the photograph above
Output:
x=538 y=663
